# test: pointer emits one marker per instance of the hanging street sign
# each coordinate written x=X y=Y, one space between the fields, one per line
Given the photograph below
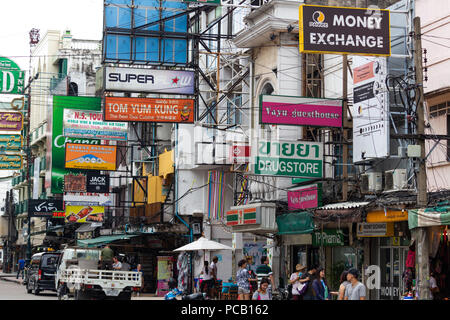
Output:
x=90 y=156
x=11 y=121
x=289 y=159
x=10 y=161
x=87 y=198
x=305 y=197
x=12 y=79
x=82 y=214
x=44 y=207
x=10 y=142
x=328 y=238
x=97 y=183
x=339 y=30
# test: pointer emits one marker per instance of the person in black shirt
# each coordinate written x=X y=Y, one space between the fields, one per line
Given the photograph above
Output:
x=311 y=275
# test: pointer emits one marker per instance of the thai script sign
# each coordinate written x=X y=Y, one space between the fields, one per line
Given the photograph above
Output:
x=81 y=214
x=289 y=158
x=328 y=238
x=10 y=161
x=44 y=207
x=305 y=197
x=12 y=79
x=10 y=142
x=301 y=111
x=11 y=121
x=325 y=29
x=149 y=110
x=91 y=157
x=149 y=80
x=90 y=124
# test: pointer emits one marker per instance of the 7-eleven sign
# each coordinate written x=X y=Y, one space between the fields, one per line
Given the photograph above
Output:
x=246 y=216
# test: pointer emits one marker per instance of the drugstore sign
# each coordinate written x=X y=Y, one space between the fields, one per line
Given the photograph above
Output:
x=289 y=158
x=325 y=29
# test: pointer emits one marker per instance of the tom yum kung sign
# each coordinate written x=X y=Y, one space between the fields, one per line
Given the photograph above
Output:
x=341 y=30
x=149 y=110
x=301 y=111
x=301 y=159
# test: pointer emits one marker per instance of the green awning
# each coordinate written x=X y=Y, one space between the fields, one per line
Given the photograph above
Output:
x=295 y=223
x=428 y=217
x=99 y=241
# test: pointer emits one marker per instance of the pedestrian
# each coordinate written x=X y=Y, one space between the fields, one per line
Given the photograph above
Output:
x=295 y=281
x=106 y=258
x=213 y=267
x=355 y=290
x=117 y=265
x=265 y=271
x=253 y=277
x=139 y=269
x=21 y=267
x=320 y=286
x=308 y=291
x=343 y=284
x=262 y=293
x=242 y=280
x=208 y=280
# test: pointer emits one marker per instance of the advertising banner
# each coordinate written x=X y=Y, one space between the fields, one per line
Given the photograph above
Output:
x=90 y=124
x=83 y=214
x=97 y=183
x=370 y=109
x=36 y=180
x=375 y=229
x=57 y=145
x=10 y=142
x=149 y=110
x=305 y=197
x=301 y=111
x=149 y=80
x=44 y=207
x=75 y=183
x=328 y=238
x=289 y=158
x=11 y=121
x=12 y=79
x=88 y=198
x=90 y=157
x=339 y=30
x=10 y=161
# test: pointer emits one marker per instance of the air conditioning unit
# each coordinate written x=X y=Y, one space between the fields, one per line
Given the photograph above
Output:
x=396 y=179
x=371 y=182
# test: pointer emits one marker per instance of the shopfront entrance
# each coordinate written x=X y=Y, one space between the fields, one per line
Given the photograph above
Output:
x=392 y=265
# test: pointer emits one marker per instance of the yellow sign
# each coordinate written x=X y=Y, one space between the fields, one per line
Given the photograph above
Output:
x=91 y=157
x=85 y=213
x=388 y=216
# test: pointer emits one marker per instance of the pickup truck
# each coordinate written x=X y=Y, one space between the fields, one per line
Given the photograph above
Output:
x=78 y=275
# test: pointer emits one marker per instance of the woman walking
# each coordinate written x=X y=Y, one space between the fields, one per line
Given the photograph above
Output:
x=320 y=285
x=243 y=281
x=295 y=281
x=343 y=285
x=262 y=293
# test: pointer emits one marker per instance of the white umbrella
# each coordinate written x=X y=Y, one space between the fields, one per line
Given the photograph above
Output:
x=203 y=244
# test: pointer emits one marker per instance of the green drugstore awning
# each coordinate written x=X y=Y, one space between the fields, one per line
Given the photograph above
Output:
x=428 y=217
x=96 y=242
x=295 y=223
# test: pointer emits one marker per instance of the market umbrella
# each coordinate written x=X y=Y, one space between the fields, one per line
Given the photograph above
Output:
x=203 y=244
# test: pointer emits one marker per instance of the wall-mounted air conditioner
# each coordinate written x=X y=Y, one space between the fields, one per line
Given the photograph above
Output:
x=395 y=180
x=371 y=182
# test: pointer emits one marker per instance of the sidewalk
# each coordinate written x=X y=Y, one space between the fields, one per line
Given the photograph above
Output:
x=10 y=277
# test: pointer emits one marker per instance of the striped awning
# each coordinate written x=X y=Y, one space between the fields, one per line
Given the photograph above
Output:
x=428 y=217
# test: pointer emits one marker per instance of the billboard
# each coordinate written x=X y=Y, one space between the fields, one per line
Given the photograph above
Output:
x=57 y=144
x=128 y=37
x=10 y=142
x=12 y=79
x=370 y=109
x=90 y=157
x=10 y=161
x=149 y=80
x=300 y=111
x=149 y=110
x=305 y=197
x=339 y=30
x=289 y=158
x=90 y=124
x=75 y=183
x=44 y=207
x=11 y=121
x=97 y=183
x=82 y=214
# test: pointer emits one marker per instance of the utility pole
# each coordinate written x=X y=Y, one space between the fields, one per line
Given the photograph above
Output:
x=345 y=130
x=420 y=234
x=8 y=238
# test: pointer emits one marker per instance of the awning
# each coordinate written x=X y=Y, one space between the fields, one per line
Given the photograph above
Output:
x=88 y=227
x=345 y=212
x=99 y=241
x=428 y=217
x=295 y=223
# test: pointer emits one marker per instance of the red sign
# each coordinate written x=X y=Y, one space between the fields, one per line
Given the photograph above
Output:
x=240 y=154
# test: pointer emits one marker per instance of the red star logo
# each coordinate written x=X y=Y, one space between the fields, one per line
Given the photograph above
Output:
x=175 y=80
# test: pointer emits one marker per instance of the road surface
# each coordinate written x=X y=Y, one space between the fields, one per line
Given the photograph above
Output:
x=14 y=291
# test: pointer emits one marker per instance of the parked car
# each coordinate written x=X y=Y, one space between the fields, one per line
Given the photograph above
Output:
x=41 y=272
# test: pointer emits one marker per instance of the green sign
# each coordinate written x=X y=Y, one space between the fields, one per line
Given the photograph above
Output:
x=58 y=146
x=209 y=2
x=12 y=79
x=10 y=142
x=10 y=162
x=289 y=158
x=328 y=238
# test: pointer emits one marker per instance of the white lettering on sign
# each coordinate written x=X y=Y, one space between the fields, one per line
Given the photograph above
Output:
x=357 y=22
x=7 y=75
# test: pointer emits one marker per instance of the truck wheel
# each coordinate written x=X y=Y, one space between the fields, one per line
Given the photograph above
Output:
x=124 y=296
x=80 y=295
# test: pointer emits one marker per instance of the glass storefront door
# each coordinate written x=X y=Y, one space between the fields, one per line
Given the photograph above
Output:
x=392 y=265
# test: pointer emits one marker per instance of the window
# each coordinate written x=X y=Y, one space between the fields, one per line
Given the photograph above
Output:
x=267 y=89
x=73 y=89
x=439 y=109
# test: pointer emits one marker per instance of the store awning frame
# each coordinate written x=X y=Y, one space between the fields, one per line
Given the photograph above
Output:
x=102 y=240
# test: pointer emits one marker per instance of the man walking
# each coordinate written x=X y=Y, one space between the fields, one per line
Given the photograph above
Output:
x=355 y=290
x=21 y=265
